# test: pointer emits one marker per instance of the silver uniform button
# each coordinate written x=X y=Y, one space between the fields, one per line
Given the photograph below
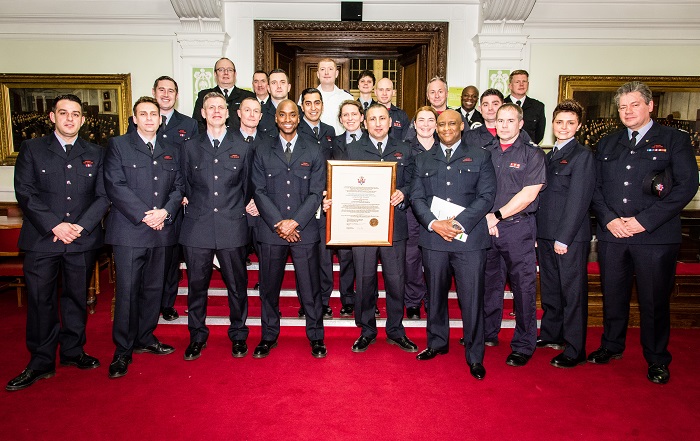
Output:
x=155 y=178
x=67 y=182
x=68 y=198
x=216 y=210
x=628 y=167
x=216 y=161
x=69 y=166
x=448 y=183
x=626 y=183
x=624 y=200
x=155 y=162
x=216 y=193
x=449 y=167
x=155 y=194
x=67 y=214
x=289 y=208
x=216 y=177
x=288 y=182
x=449 y=199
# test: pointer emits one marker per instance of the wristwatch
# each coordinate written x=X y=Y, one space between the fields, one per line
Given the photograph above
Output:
x=498 y=215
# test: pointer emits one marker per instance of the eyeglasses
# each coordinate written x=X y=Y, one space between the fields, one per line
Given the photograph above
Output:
x=225 y=69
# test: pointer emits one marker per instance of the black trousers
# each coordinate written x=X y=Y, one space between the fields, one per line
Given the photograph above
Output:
x=172 y=279
x=138 y=295
x=47 y=325
x=468 y=268
x=564 y=295
x=655 y=268
x=393 y=260
x=306 y=268
x=235 y=275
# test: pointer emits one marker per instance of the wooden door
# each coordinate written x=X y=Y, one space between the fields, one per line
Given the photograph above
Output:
x=412 y=80
x=285 y=58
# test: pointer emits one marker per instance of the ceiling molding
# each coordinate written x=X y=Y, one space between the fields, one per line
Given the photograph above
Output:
x=199 y=15
x=506 y=10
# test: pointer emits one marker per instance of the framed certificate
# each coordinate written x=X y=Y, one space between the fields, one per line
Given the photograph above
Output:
x=361 y=213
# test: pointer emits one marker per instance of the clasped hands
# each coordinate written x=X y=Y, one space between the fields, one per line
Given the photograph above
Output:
x=66 y=232
x=287 y=230
x=155 y=218
x=446 y=228
x=624 y=227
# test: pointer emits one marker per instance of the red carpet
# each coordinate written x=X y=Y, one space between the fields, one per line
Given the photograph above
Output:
x=383 y=394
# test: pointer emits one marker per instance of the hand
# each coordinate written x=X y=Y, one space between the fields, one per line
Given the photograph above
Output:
x=327 y=204
x=286 y=227
x=294 y=237
x=185 y=201
x=491 y=220
x=66 y=232
x=396 y=198
x=445 y=229
x=154 y=218
x=251 y=209
x=493 y=231
x=560 y=249
x=633 y=225
x=618 y=228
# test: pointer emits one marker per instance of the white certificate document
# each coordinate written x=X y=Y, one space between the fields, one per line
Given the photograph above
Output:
x=443 y=209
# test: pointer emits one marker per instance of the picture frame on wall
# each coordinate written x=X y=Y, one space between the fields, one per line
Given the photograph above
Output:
x=26 y=100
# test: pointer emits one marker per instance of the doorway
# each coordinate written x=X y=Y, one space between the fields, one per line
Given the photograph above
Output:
x=417 y=49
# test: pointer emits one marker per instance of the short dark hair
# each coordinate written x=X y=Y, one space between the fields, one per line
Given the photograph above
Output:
x=366 y=73
x=262 y=72
x=69 y=97
x=146 y=99
x=377 y=106
x=572 y=106
x=492 y=91
x=517 y=72
x=249 y=98
x=213 y=94
x=513 y=106
x=631 y=87
x=278 y=70
x=309 y=91
x=164 y=78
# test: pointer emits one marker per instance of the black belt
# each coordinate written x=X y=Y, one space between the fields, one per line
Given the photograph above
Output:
x=515 y=217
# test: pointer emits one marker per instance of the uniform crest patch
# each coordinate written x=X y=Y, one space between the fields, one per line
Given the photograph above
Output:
x=467 y=160
x=88 y=163
x=305 y=164
x=514 y=165
x=657 y=148
x=398 y=155
x=168 y=158
x=563 y=161
x=234 y=156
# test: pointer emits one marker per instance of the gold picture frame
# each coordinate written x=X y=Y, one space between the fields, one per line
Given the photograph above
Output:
x=676 y=103
x=26 y=100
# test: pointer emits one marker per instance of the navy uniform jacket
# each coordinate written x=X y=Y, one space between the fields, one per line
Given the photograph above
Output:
x=235 y=96
x=619 y=176
x=533 y=115
x=521 y=165
x=137 y=182
x=481 y=137
x=179 y=128
x=399 y=123
x=268 y=124
x=417 y=147
x=326 y=133
x=52 y=188
x=395 y=151
x=563 y=212
x=340 y=145
x=289 y=191
x=218 y=188
x=468 y=180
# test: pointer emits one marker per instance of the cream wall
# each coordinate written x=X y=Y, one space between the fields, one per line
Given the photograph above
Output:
x=144 y=60
x=548 y=61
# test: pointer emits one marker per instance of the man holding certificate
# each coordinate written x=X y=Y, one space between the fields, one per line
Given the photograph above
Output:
x=378 y=146
x=453 y=189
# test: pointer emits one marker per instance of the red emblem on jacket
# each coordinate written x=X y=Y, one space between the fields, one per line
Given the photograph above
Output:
x=234 y=156
x=168 y=158
x=305 y=164
x=329 y=139
x=88 y=163
x=514 y=165
x=563 y=161
x=467 y=160
x=398 y=155
x=182 y=132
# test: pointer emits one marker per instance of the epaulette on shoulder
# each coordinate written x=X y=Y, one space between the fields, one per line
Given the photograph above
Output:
x=475 y=125
x=534 y=144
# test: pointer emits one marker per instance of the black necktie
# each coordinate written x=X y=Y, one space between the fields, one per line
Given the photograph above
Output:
x=354 y=137
x=366 y=104
x=518 y=102
x=165 y=120
x=633 y=140
x=316 y=131
x=249 y=139
x=288 y=152
x=149 y=144
x=226 y=94
x=379 y=147
x=68 y=147
x=448 y=154
x=216 y=144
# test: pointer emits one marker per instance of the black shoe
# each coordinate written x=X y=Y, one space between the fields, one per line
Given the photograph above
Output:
x=301 y=313
x=404 y=343
x=194 y=350
x=82 y=361
x=566 y=362
x=376 y=312
x=169 y=314
x=156 y=348
x=658 y=373
x=263 y=348
x=27 y=378
x=327 y=312
x=491 y=342
x=347 y=311
x=603 y=356
x=318 y=349
x=461 y=341
x=477 y=370
x=239 y=349
x=517 y=359
x=119 y=366
x=413 y=313
x=362 y=343
x=559 y=346
x=430 y=353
